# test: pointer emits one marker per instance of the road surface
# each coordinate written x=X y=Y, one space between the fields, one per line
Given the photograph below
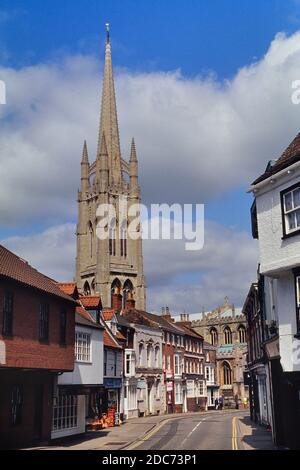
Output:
x=214 y=431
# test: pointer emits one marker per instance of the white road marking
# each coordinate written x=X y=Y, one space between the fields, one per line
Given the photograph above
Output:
x=190 y=433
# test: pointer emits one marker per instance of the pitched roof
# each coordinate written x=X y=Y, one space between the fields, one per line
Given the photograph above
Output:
x=189 y=331
x=68 y=288
x=90 y=301
x=83 y=313
x=85 y=321
x=140 y=317
x=15 y=268
x=109 y=340
x=120 y=336
x=108 y=314
x=290 y=155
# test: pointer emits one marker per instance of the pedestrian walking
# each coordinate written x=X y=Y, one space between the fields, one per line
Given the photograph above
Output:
x=221 y=402
x=216 y=404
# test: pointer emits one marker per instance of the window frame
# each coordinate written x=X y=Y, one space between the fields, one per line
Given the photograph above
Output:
x=88 y=347
x=44 y=322
x=7 y=324
x=296 y=273
x=286 y=233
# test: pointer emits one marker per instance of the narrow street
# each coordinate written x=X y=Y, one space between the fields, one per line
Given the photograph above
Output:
x=214 y=430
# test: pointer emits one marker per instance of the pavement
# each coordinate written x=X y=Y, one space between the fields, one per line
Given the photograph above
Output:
x=212 y=430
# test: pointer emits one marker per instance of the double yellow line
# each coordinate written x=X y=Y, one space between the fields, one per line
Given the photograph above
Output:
x=147 y=436
x=234 y=434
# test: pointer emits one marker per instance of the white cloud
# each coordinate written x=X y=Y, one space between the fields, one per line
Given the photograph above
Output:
x=52 y=252
x=175 y=277
x=195 y=137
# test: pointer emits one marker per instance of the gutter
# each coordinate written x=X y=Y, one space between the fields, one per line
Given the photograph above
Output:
x=272 y=179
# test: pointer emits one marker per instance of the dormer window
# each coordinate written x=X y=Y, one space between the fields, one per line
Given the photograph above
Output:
x=290 y=204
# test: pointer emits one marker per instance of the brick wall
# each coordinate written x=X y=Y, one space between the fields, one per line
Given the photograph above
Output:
x=23 y=349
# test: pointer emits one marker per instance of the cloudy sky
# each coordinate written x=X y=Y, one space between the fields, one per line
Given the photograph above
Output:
x=204 y=87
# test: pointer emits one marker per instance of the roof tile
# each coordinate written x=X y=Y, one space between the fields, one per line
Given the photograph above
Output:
x=15 y=268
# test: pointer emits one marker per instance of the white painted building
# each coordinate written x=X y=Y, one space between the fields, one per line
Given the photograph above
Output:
x=77 y=393
x=276 y=222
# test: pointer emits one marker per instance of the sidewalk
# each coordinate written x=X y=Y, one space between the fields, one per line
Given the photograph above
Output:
x=118 y=437
x=252 y=436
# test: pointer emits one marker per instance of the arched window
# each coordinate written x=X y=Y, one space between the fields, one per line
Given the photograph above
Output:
x=227 y=335
x=115 y=288
x=86 y=288
x=242 y=334
x=213 y=336
x=156 y=356
x=123 y=240
x=149 y=355
x=93 y=286
x=91 y=237
x=127 y=291
x=141 y=351
x=112 y=242
x=227 y=374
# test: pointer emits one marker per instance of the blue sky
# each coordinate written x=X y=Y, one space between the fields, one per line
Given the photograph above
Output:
x=208 y=41
x=193 y=35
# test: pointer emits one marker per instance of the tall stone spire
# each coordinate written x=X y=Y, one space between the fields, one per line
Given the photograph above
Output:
x=109 y=119
x=102 y=166
x=133 y=170
x=85 y=169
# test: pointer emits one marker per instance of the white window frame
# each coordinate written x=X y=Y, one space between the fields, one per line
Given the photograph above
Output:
x=83 y=347
x=288 y=212
x=178 y=394
x=65 y=412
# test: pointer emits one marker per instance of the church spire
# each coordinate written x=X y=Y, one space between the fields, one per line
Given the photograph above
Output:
x=85 y=169
x=133 y=170
x=102 y=166
x=109 y=118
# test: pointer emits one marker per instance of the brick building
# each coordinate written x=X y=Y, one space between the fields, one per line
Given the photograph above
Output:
x=194 y=387
x=36 y=343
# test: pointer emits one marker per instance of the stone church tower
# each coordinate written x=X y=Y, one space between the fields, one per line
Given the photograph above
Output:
x=115 y=264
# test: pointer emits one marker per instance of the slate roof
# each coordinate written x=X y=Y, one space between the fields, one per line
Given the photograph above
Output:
x=83 y=320
x=290 y=155
x=189 y=331
x=17 y=269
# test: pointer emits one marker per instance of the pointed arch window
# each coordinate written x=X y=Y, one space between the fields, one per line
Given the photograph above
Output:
x=213 y=336
x=127 y=291
x=227 y=335
x=86 y=288
x=115 y=288
x=227 y=374
x=242 y=334
x=123 y=242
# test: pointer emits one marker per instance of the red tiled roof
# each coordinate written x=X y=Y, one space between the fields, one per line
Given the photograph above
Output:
x=68 y=288
x=108 y=314
x=15 y=268
x=290 y=155
x=89 y=301
x=119 y=335
x=109 y=341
